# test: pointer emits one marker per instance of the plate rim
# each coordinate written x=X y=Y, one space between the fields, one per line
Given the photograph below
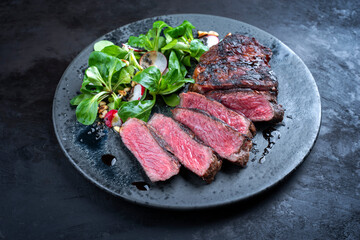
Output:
x=216 y=203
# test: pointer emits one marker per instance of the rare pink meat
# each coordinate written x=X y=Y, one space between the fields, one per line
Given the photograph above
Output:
x=158 y=164
x=258 y=106
x=193 y=155
x=226 y=141
x=216 y=109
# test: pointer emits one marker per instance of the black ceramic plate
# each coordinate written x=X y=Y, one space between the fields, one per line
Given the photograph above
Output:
x=289 y=143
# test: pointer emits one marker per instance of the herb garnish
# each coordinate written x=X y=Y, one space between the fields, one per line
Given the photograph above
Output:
x=112 y=68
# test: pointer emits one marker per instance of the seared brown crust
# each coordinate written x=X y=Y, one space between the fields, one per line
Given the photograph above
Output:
x=237 y=61
x=278 y=113
x=244 y=153
x=254 y=81
x=214 y=167
x=252 y=129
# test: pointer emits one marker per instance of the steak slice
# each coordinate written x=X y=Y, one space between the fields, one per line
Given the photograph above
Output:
x=258 y=106
x=225 y=140
x=216 y=109
x=193 y=155
x=236 y=61
x=158 y=164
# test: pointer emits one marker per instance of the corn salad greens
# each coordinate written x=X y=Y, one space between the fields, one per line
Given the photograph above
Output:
x=113 y=68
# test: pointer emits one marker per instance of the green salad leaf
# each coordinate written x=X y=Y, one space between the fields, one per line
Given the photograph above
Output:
x=89 y=87
x=183 y=30
x=171 y=100
x=112 y=69
x=140 y=109
x=79 y=98
x=86 y=111
x=99 y=81
x=197 y=48
x=106 y=64
x=149 y=78
x=126 y=75
x=186 y=60
x=102 y=44
x=174 y=79
x=115 y=51
x=151 y=41
x=94 y=76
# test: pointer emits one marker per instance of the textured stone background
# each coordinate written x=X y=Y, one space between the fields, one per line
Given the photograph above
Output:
x=43 y=197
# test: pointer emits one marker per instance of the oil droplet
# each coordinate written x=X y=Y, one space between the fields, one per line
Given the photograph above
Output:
x=269 y=135
x=142 y=186
x=108 y=159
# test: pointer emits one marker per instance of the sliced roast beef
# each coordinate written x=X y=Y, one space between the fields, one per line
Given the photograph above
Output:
x=216 y=109
x=193 y=155
x=258 y=106
x=237 y=61
x=158 y=164
x=224 y=139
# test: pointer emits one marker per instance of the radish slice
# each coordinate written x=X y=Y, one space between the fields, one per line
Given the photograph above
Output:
x=133 y=48
x=154 y=58
x=137 y=92
x=210 y=40
x=112 y=119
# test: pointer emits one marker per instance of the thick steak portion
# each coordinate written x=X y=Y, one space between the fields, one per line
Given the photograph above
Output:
x=158 y=164
x=237 y=61
x=193 y=155
x=225 y=140
x=258 y=106
x=216 y=109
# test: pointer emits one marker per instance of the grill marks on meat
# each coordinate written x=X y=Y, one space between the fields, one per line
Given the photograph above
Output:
x=225 y=140
x=216 y=109
x=258 y=106
x=193 y=155
x=149 y=150
x=237 y=61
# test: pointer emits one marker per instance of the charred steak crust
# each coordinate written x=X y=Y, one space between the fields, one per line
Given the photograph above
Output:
x=240 y=157
x=214 y=167
x=245 y=153
x=237 y=61
x=278 y=113
x=215 y=162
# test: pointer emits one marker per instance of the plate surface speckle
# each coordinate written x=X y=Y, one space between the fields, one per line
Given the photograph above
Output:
x=293 y=139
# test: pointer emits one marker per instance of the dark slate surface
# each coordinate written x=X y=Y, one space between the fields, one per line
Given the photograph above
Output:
x=44 y=197
x=291 y=140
